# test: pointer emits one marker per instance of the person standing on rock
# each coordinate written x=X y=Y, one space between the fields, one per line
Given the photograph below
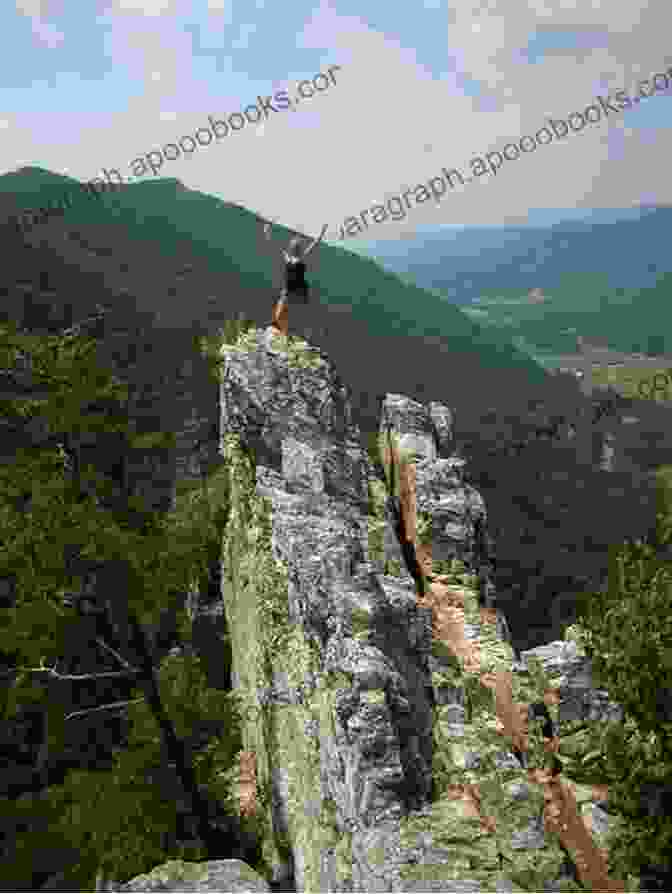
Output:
x=295 y=285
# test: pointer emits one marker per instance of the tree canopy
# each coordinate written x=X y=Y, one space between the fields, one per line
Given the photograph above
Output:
x=77 y=541
x=626 y=630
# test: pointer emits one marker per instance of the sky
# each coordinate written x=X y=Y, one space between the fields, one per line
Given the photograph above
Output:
x=416 y=87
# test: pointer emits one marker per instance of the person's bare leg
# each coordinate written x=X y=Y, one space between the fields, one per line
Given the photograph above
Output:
x=280 y=314
x=283 y=317
x=274 y=319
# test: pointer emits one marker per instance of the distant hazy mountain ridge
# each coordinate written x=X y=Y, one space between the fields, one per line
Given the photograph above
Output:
x=607 y=276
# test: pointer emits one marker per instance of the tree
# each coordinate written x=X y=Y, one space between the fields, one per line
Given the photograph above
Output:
x=656 y=345
x=122 y=821
x=75 y=540
x=627 y=632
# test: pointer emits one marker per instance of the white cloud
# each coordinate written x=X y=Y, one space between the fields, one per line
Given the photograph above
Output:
x=637 y=39
x=388 y=124
x=34 y=9
x=147 y=8
x=154 y=56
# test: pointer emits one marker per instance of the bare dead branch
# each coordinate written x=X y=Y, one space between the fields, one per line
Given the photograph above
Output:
x=119 y=658
x=52 y=672
x=123 y=704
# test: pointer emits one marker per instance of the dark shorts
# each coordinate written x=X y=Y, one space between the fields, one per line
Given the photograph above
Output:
x=296 y=293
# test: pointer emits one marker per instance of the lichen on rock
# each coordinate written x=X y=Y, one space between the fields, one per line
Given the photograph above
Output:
x=375 y=715
x=210 y=875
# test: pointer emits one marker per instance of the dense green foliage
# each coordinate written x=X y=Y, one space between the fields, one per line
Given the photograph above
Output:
x=125 y=820
x=210 y=346
x=48 y=514
x=56 y=512
x=640 y=383
x=626 y=629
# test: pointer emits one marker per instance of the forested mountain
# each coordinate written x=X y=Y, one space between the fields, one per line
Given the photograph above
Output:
x=607 y=275
x=155 y=266
x=171 y=264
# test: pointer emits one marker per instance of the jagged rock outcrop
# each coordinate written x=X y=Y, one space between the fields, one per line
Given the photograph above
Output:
x=453 y=511
x=454 y=508
x=212 y=875
x=352 y=682
x=375 y=716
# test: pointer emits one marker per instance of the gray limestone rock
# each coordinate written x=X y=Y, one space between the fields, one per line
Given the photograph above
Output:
x=311 y=466
x=373 y=739
x=579 y=699
x=212 y=875
x=442 y=422
x=457 y=510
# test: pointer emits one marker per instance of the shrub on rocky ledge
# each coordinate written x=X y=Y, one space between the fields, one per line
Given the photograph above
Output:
x=626 y=630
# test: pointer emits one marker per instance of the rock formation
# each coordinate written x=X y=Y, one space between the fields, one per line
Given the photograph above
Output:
x=383 y=709
x=214 y=875
x=386 y=741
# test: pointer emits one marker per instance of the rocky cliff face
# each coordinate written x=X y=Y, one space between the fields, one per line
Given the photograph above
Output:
x=383 y=707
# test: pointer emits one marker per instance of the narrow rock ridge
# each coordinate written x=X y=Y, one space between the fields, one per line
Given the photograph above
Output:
x=449 y=627
x=372 y=710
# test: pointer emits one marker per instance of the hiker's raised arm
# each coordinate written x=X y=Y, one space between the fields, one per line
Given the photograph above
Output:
x=316 y=241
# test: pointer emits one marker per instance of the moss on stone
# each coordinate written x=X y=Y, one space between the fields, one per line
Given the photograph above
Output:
x=376 y=521
x=376 y=532
x=424 y=528
x=343 y=856
x=376 y=856
x=377 y=497
x=179 y=870
x=443 y=567
x=576 y=634
x=248 y=577
x=393 y=568
x=266 y=644
x=448 y=823
x=300 y=353
x=442 y=652
x=242 y=336
x=340 y=680
x=373 y=696
x=361 y=620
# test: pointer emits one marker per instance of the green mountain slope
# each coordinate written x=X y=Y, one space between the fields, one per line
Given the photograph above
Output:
x=174 y=263
x=226 y=239
x=630 y=321
x=608 y=276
